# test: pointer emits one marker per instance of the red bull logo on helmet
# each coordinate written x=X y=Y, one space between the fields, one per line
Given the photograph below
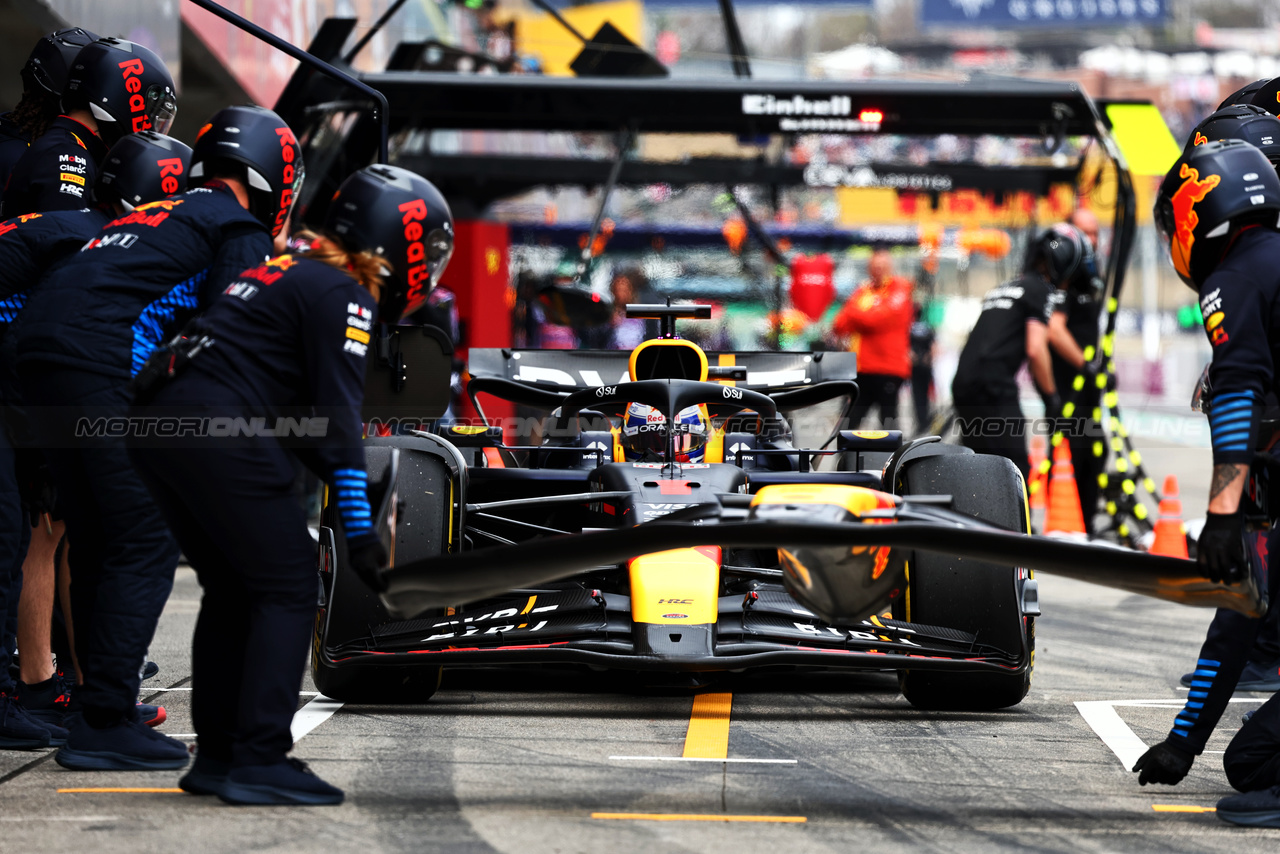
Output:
x=132 y=72
x=170 y=169
x=412 y=215
x=1185 y=218
x=289 y=151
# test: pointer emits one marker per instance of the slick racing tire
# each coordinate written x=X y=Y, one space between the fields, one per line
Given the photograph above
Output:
x=422 y=531
x=973 y=596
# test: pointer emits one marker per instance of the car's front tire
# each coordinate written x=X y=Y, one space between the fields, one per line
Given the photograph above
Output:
x=974 y=596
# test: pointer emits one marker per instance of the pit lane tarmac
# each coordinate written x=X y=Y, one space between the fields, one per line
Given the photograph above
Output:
x=552 y=762
x=534 y=761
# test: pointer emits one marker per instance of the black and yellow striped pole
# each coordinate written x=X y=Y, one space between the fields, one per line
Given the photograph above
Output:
x=1122 y=477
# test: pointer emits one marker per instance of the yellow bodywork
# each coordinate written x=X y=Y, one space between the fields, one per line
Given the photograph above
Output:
x=676 y=587
x=856 y=499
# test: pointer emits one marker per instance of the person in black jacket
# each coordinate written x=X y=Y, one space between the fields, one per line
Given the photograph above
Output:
x=288 y=340
x=140 y=168
x=85 y=332
x=1012 y=329
x=43 y=79
x=1218 y=206
x=114 y=88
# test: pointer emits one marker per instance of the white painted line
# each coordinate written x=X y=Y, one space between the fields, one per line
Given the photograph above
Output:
x=312 y=715
x=59 y=818
x=181 y=734
x=300 y=693
x=1101 y=716
x=701 y=759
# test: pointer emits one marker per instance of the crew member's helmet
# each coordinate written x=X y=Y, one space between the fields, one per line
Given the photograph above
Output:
x=1245 y=94
x=1211 y=193
x=644 y=434
x=142 y=167
x=1244 y=121
x=401 y=217
x=52 y=57
x=124 y=85
x=255 y=146
x=1266 y=95
x=1066 y=253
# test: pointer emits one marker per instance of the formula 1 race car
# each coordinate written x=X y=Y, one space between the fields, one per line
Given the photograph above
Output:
x=860 y=552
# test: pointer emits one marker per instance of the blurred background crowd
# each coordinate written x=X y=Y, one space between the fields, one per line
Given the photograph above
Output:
x=690 y=242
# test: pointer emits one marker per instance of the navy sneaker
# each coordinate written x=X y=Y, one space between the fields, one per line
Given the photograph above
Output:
x=287 y=782
x=1252 y=809
x=18 y=730
x=1254 y=677
x=206 y=777
x=151 y=715
x=58 y=735
x=47 y=701
x=124 y=746
x=149 y=668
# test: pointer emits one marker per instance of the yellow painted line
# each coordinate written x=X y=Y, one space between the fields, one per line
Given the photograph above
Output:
x=662 y=816
x=117 y=791
x=1181 y=808
x=708 y=735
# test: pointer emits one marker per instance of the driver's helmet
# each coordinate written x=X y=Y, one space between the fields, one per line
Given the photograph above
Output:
x=644 y=434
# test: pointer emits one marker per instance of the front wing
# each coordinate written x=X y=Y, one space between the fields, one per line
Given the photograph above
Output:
x=572 y=623
x=470 y=576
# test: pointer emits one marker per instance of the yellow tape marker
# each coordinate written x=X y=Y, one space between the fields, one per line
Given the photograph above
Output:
x=1181 y=808
x=708 y=735
x=112 y=791
x=662 y=816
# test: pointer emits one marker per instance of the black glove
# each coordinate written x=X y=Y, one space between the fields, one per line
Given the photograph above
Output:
x=1052 y=406
x=1163 y=763
x=367 y=559
x=1220 y=549
x=35 y=483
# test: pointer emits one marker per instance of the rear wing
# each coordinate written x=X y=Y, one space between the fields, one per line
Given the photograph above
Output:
x=576 y=369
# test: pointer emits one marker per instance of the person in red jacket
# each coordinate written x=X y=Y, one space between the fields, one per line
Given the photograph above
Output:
x=878 y=315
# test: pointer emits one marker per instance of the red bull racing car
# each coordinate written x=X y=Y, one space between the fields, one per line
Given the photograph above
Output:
x=718 y=543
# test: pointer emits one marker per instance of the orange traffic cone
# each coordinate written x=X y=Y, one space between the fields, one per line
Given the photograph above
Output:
x=1063 y=515
x=1038 y=483
x=1171 y=536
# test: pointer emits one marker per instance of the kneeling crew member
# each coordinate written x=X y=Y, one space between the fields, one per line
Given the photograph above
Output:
x=1260 y=129
x=1218 y=206
x=287 y=337
x=88 y=328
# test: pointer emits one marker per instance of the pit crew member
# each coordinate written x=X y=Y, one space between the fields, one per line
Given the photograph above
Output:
x=287 y=338
x=140 y=168
x=43 y=78
x=114 y=87
x=1261 y=129
x=89 y=327
x=1218 y=207
x=1012 y=330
